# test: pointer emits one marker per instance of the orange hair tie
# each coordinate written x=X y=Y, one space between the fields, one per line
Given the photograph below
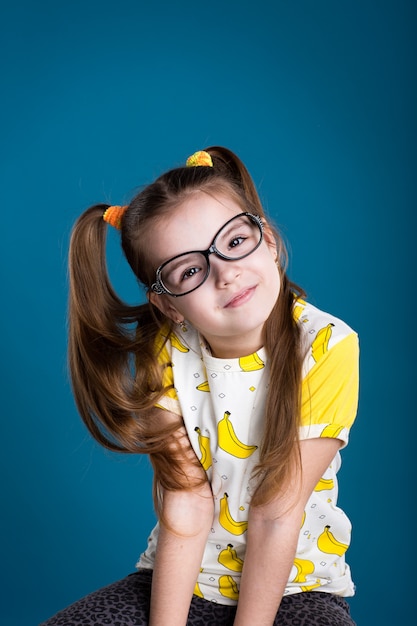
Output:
x=114 y=214
x=200 y=158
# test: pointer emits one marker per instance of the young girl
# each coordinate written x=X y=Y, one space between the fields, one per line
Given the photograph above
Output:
x=241 y=393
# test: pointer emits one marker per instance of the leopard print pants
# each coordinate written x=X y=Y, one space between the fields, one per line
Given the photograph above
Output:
x=126 y=603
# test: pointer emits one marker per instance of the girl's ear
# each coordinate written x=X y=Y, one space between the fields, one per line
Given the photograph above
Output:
x=270 y=240
x=164 y=304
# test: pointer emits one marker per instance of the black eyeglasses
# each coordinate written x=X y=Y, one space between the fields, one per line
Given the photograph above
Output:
x=184 y=273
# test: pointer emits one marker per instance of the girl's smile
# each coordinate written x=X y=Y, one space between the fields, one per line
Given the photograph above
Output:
x=241 y=298
x=230 y=308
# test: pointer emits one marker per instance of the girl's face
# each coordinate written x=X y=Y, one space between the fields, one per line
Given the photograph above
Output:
x=230 y=308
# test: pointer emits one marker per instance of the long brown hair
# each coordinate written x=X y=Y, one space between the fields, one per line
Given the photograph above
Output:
x=114 y=367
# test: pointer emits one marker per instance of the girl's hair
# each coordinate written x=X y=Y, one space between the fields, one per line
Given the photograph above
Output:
x=116 y=375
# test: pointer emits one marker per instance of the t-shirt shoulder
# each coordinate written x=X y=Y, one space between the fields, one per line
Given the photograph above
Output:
x=330 y=374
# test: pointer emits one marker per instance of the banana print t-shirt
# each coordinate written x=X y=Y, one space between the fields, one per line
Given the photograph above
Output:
x=222 y=402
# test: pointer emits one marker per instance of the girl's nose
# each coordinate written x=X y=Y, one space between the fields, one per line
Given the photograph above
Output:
x=224 y=272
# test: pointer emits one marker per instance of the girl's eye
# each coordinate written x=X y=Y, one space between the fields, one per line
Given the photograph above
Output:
x=190 y=273
x=236 y=241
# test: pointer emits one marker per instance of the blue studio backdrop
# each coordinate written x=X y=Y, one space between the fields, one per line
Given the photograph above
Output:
x=319 y=99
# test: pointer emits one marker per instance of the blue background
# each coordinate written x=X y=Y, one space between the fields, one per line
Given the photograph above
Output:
x=98 y=98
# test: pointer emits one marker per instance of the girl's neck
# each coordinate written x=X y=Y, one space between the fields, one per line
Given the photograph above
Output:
x=231 y=349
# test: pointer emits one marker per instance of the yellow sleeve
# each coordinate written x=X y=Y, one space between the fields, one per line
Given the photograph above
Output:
x=169 y=400
x=329 y=397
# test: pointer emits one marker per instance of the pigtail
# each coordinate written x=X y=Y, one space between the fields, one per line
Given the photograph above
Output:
x=92 y=298
x=96 y=341
x=103 y=339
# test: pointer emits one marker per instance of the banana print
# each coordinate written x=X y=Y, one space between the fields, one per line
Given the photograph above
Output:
x=251 y=363
x=228 y=440
x=226 y=520
x=229 y=559
x=204 y=444
x=228 y=587
x=203 y=386
x=299 y=306
x=320 y=345
x=311 y=586
x=197 y=591
x=297 y=312
x=331 y=430
x=304 y=567
x=324 y=483
x=328 y=543
x=177 y=343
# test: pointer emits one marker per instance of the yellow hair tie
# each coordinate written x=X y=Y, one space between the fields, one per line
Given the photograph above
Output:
x=200 y=158
x=113 y=216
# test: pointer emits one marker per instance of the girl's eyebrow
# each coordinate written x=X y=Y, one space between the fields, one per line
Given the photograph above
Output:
x=233 y=226
x=176 y=262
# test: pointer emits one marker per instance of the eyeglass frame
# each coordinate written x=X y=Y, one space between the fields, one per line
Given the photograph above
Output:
x=158 y=286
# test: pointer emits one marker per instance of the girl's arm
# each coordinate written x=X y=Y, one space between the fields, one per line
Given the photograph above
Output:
x=186 y=519
x=272 y=537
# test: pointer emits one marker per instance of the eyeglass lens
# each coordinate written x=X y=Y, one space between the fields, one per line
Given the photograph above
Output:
x=237 y=239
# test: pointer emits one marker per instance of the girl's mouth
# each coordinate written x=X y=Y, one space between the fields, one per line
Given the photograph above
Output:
x=240 y=298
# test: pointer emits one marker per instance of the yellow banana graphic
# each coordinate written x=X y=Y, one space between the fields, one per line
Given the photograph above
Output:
x=328 y=543
x=324 y=483
x=312 y=586
x=229 y=558
x=251 y=363
x=299 y=305
x=304 y=567
x=331 y=430
x=203 y=386
x=176 y=343
x=228 y=440
x=227 y=521
x=228 y=587
x=204 y=444
x=297 y=312
x=197 y=591
x=320 y=344
x=298 y=309
x=303 y=519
